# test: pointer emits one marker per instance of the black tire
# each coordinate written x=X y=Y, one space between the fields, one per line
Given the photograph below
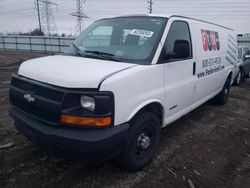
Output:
x=222 y=97
x=238 y=79
x=142 y=142
x=243 y=75
x=247 y=75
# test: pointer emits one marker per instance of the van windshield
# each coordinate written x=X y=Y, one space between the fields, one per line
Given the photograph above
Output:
x=121 y=39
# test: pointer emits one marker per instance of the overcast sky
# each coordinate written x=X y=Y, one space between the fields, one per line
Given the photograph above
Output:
x=21 y=15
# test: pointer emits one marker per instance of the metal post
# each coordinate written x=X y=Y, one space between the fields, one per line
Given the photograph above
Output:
x=150 y=8
x=16 y=43
x=59 y=42
x=38 y=13
x=3 y=43
x=45 y=49
x=30 y=44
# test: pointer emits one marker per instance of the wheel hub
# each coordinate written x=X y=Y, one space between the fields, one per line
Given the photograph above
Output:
x=143 y=141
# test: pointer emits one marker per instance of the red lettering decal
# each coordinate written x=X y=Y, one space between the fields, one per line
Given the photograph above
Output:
x=204 y=39
x=213 y=40
x=217 y=40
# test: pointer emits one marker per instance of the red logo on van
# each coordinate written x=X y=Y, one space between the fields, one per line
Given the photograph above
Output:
x=210 y=40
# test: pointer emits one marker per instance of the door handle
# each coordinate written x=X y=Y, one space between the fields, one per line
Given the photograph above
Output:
x=194 y=68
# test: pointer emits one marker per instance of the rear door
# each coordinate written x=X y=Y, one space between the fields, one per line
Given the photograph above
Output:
x=179 y=69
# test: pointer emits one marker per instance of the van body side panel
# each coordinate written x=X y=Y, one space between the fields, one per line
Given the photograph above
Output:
x=212 y=61
x=212 y=64
x=179 y=83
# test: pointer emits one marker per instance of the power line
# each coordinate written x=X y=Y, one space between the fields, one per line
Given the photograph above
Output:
x=48 y=19
x=150 y=6
x=79 y=14
x=38 y=14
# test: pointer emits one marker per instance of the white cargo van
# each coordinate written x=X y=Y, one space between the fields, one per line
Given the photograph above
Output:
x=120 y=82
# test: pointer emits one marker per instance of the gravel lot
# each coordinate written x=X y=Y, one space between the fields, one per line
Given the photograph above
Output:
x=209 y=147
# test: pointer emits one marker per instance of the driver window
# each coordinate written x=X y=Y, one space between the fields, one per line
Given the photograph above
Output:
x=178 y=44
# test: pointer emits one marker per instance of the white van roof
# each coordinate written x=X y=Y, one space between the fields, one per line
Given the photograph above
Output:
x=173 y=15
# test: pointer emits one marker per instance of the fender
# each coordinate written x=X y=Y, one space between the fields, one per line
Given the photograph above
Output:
x=230 y=72
x=109 y=75
x=142 y=105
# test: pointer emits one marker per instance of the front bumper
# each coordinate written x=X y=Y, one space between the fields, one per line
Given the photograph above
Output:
x=76 y=143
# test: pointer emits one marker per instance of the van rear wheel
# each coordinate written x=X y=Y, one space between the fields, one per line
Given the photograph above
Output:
x=222 y=97
x=238 y=79
x=248 y=75
x=243 y=75
x=143 y=139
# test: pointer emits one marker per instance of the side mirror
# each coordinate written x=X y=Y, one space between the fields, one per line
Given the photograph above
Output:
x=181 y=50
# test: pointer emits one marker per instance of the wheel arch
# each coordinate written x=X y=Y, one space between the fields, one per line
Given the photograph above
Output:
x=230 y=76
x=242 y=69
x=154 y=105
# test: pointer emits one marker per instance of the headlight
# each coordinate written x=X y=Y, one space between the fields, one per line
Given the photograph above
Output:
x=87 y=103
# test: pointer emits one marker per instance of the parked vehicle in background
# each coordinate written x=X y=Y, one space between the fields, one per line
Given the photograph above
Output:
x=244 y=61
x=237 y=75
x=120 y=82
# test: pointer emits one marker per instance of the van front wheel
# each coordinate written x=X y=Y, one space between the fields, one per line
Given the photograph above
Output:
x=222 y=97
x=143 y=139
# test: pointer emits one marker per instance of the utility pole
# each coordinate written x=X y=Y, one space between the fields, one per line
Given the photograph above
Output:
x=150 y=7
x=38 y=14
x=79 y=14
x=48 y=20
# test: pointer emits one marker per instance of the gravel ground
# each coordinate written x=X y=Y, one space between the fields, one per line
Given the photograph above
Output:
x=209 y=147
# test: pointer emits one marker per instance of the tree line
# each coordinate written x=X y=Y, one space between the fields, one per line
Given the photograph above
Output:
x=35 y=32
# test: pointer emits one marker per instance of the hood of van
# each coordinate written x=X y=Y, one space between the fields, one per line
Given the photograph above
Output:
x=71 y=72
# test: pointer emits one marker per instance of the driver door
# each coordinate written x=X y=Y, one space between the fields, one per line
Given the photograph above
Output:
x=179 y=66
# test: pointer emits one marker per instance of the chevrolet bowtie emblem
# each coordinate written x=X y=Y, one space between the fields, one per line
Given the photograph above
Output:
x=29 y=97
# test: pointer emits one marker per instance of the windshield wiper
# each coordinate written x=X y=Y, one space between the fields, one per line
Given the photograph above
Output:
x=98 y=52
x=103 y=55
x=77 y=49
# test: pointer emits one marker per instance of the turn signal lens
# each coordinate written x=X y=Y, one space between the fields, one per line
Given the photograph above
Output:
x=88 y=121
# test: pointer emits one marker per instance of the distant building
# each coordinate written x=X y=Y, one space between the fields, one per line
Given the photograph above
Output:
x=244 y=39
